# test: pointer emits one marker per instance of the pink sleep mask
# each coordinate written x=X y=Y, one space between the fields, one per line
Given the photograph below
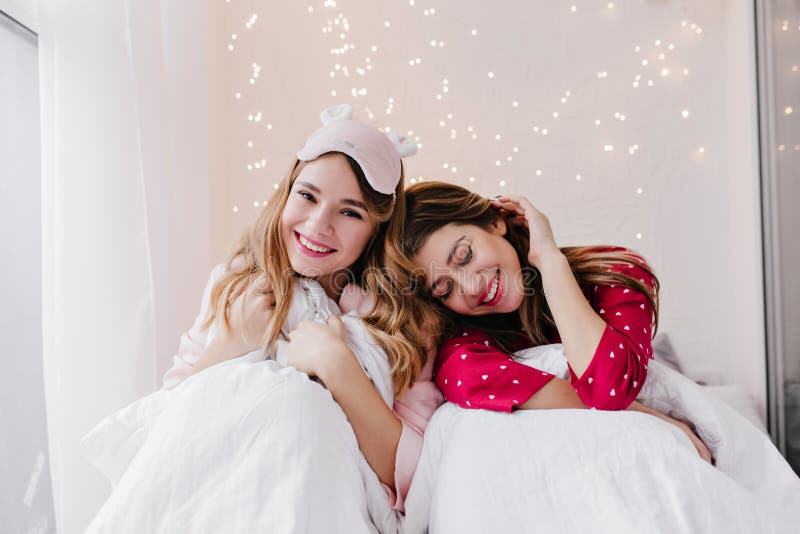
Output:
x=377 y=153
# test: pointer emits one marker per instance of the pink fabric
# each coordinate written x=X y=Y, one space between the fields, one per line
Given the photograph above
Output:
x=414 y=408
x=371 y=148
x=193 y=341
x=474 y=372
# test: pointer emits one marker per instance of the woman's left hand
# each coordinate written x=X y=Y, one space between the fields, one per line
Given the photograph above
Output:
x=701 y=448
x=519 y=211
x=318 y=349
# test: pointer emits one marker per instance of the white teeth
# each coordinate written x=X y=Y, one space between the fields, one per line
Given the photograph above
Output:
x=306 y=243
x=493 y=291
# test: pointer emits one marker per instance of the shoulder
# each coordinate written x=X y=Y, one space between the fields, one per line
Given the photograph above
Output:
x=642 y=272
x=465 y=338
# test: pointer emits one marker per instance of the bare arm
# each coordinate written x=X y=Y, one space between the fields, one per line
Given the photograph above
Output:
x=557 y=393
x=579 y=326
x=376 y=427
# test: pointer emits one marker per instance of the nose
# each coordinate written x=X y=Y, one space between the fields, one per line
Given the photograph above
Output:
x=472 y=283
x=318 y=222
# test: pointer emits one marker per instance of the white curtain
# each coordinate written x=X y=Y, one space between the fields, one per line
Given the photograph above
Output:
x=126 y=233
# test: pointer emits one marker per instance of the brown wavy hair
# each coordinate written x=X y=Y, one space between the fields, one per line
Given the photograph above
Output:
x=432 y=205
x=393 y=321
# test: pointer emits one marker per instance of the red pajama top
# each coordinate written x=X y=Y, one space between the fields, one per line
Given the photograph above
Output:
x=474 y=372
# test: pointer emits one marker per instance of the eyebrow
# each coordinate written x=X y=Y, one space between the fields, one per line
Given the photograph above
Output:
x=449 y=259
x=348 y=201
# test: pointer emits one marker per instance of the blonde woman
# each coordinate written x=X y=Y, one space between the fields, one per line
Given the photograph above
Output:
x=334 y=219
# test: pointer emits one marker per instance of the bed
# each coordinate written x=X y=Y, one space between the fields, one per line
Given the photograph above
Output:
x=251 y=446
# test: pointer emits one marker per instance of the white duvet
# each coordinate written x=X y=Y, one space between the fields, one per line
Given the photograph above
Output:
x=248 y=446
x=245 y=446
x=579 y=471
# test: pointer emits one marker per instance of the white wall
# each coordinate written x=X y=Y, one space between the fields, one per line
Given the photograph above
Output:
x=697 y=213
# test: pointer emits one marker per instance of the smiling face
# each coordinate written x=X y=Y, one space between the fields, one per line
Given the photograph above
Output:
x=325 y=223
x=472 y=271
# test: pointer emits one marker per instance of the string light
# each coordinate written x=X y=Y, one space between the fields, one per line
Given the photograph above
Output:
x=337 y=29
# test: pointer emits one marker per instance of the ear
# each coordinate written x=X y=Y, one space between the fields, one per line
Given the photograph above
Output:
x=499 y=226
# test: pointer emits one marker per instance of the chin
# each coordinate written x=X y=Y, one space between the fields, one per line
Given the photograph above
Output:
x=513 y=303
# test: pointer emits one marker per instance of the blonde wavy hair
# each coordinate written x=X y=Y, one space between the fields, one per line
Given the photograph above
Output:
x=432 y=205
x=261 y=251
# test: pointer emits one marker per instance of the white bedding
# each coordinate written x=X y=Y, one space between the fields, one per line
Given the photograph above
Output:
x=245 y=446
x=248 y=446
x=565 y=471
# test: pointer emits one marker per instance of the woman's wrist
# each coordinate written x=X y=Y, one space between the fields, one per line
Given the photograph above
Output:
x=550 y=259
x=338 y=366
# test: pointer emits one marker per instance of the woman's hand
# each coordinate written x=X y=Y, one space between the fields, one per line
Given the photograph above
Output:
x=248 y=316
x=320 y=349
x=519 y=211
x=701 y=448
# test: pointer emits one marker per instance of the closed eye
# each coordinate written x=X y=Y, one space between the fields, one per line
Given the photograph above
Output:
x=463 y=255
x=468 y=257
x=438 y=294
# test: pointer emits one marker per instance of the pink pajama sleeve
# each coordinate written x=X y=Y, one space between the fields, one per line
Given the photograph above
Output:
x=193 y=341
